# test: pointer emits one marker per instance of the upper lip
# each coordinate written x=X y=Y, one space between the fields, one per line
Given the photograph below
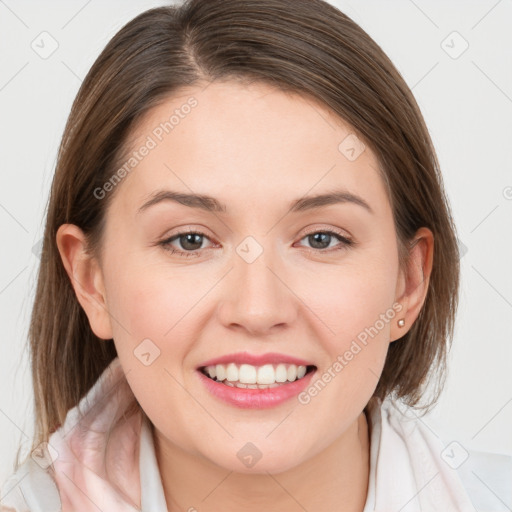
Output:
x=256 y=359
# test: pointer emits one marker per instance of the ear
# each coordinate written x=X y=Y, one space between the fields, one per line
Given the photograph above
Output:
x=86 y=278
x=412 y=286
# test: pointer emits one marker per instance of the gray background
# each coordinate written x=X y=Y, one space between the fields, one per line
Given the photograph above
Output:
x=465 y=97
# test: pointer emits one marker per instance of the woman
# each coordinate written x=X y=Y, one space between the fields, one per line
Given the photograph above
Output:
x=249 y=263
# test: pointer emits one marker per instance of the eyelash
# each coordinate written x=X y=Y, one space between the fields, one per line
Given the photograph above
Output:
x=346 y=242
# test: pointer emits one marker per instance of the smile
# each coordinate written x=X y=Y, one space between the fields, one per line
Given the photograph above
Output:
x=247 y=376
x=269 y=386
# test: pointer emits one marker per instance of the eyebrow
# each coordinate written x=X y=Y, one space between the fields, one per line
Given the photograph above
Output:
x=210 y=204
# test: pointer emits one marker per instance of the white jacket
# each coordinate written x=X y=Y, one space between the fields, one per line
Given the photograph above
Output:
x=410 y=468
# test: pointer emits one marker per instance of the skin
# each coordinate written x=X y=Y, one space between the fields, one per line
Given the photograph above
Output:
x=255 y=149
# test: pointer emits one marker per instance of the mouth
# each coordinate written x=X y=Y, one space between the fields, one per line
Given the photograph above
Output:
x=247 y=376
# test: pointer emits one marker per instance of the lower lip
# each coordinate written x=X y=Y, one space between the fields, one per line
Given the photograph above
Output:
x=256 y=398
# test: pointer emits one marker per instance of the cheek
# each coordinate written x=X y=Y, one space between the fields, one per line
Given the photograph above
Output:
x=362 y=305
x=152 y=335
x=350 y=299
x=157 y=324
x=354 y=311
x=142 y=306
x=146 y=303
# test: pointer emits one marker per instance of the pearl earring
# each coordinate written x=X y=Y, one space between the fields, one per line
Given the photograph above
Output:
x=401 y=322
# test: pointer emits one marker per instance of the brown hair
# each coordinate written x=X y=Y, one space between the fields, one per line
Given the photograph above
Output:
x=303 y=46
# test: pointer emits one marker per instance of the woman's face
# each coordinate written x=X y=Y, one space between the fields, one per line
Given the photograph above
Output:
x=264 y=275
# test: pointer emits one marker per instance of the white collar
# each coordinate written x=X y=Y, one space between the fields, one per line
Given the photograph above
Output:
x=152 y=493
x=407 y=471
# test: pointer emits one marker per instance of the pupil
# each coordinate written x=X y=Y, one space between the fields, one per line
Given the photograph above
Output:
x=323 y=236
x=188 y=237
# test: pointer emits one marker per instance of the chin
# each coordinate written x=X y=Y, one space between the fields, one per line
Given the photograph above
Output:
x=253 y=459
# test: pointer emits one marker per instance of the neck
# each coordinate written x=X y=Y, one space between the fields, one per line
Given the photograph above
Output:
x=334 y=479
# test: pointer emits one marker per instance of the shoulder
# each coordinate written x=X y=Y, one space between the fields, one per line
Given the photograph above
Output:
x=30 y=488
x=481 y=480
x=487 y=478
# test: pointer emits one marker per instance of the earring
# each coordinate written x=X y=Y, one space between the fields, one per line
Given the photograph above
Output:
x=401 y=322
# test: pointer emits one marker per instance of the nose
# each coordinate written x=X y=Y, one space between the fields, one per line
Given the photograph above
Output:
x=256 y=296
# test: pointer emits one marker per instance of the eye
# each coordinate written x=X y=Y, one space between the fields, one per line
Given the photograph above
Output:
x=190 y=241
x=321 y=240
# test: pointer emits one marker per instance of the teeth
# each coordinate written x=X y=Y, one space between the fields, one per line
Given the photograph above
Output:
x=231 y=372
x=249 y=376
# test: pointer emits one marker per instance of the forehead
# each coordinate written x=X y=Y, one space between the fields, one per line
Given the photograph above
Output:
x=246 y=144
